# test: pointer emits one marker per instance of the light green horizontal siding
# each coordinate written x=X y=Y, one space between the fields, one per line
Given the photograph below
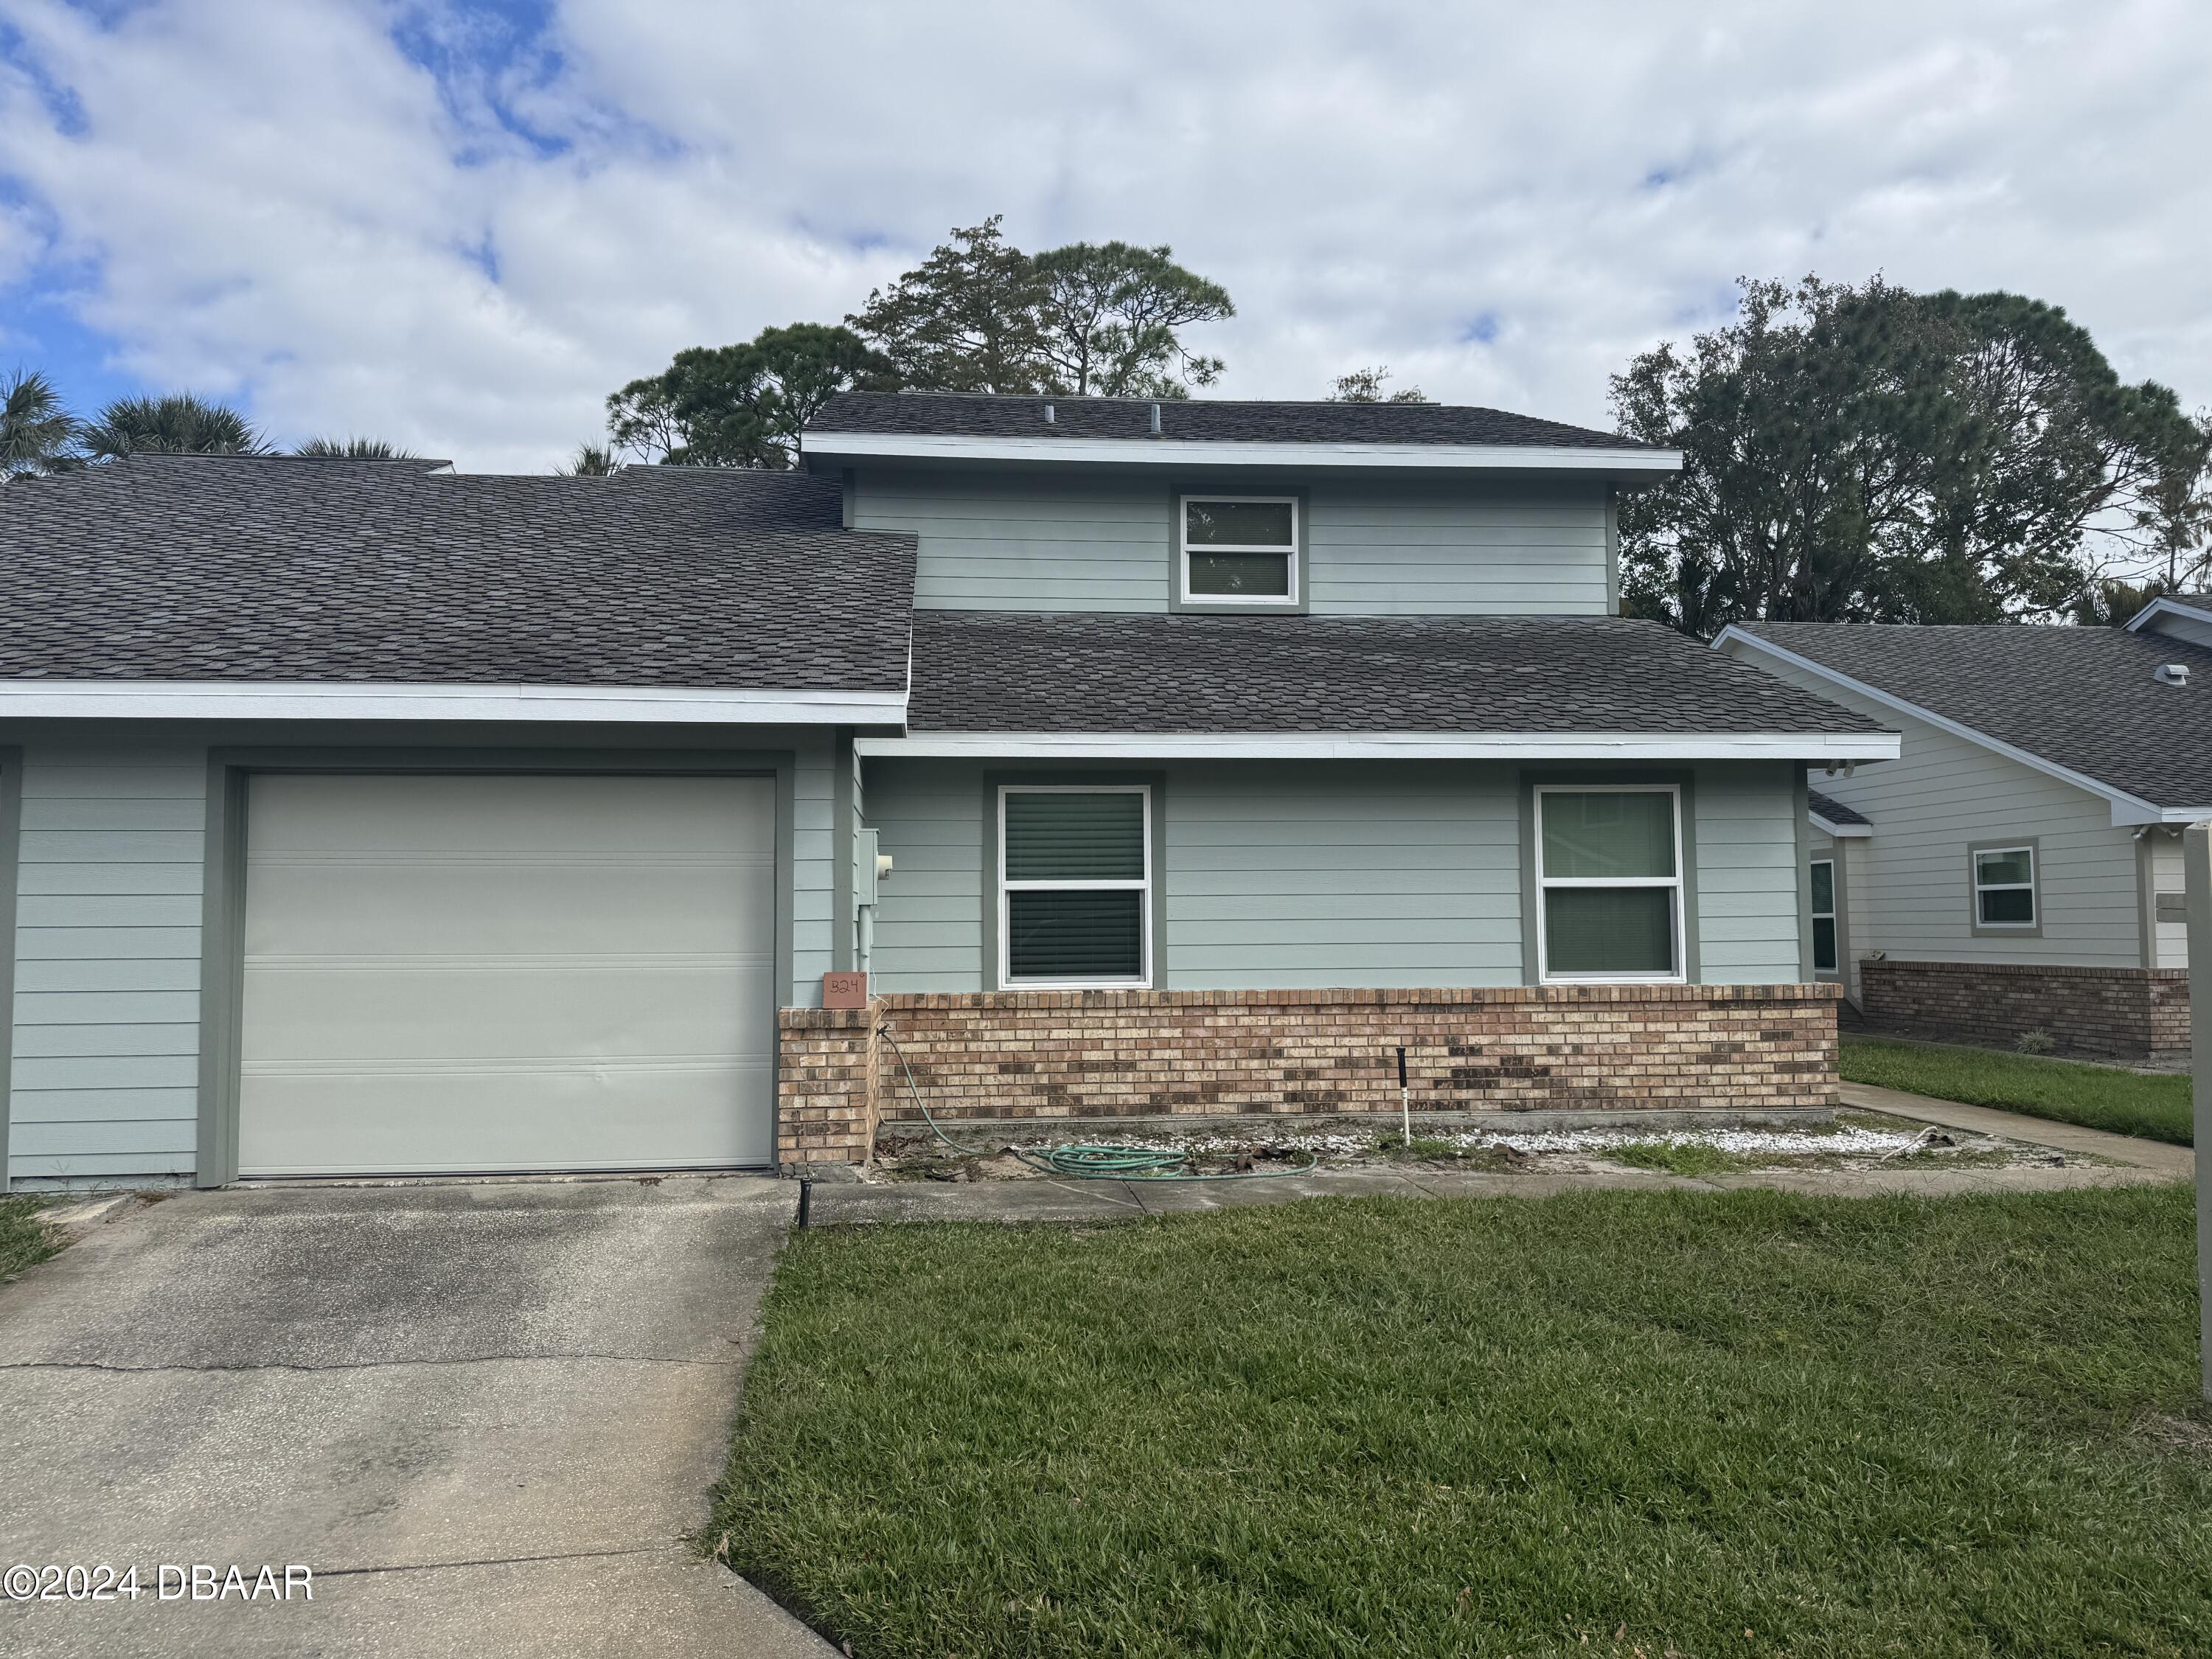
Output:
x=1025 y=541
x=1308 y=875
x=1748 y=878
x=104 y=1080
x=1414 y=548
x=1035 y=541
x=814 y=874
x=928 y=927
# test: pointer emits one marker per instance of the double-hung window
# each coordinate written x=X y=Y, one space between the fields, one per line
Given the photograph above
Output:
x=2004 y=886
x=1824 y=916
x=1239 y=549
x=1075 y=886
x=1609 y=883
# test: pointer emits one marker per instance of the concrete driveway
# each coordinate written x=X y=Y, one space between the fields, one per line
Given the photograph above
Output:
x=485 y=1415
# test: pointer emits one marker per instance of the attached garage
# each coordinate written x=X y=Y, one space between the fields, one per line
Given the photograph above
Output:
x=460 y=973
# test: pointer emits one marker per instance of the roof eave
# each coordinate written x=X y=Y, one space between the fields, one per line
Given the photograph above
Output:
x=1840 y=831
x=316 y=700
x=2126 y=808
x=2167 y=606
x=1809 y=747
x=1627 y=464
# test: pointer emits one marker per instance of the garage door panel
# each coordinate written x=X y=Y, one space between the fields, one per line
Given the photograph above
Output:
x=504 y=817
x=458 y=973
x=424 y=909
x=581 y=1117
x=444 y=1011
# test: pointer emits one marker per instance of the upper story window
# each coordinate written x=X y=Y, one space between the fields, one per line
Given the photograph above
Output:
x=1240 y=550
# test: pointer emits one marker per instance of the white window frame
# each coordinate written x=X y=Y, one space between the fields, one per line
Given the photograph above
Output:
x=1678 y=974
x=1143 y=887
x=2034 y=899
x=1289 y=597
x=1828 y=916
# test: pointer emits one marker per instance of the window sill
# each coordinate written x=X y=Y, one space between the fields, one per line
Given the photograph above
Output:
x=1075 y=985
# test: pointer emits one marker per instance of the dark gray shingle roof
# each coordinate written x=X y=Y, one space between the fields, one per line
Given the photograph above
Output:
x=1827 y=807
x=979 y=671
x=2083 y=698
x=231 y=567
x=1196 y=419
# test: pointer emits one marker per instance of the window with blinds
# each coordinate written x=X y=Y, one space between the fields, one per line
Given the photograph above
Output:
x=1609 y=883
x=1075 y=885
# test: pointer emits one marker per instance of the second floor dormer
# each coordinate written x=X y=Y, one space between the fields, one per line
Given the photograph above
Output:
x=1045 y=504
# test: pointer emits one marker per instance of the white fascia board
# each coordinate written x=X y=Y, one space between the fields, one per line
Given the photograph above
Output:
x=2126 y=808
x=307 y=700
x=1189 y=452
x=1391 y=746
x=1841 y=831
x=2168 y=607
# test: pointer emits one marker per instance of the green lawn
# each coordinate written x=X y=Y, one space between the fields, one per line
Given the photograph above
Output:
x=25 y=1241
x=2155 y=1105
x=1736 y=1423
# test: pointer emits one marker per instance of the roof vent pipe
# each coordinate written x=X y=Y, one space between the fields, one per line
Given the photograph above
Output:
x=1048 y=415
x=2173 y=674
x=1156 y=419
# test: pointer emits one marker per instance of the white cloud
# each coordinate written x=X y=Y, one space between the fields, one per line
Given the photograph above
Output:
x=1503 y=203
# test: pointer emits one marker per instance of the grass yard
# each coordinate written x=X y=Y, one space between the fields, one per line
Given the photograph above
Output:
x=2154 y=1105
x=25 y=1241
x=1607 y=1423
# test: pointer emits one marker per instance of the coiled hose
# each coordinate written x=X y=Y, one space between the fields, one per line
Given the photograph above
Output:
x=1090 y=1160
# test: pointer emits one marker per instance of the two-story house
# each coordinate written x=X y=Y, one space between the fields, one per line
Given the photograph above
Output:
x=1189 y=758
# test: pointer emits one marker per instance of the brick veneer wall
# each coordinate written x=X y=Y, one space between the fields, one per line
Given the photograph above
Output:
x=2121 y=1013
x=1120 y=1054
x=825 y=1086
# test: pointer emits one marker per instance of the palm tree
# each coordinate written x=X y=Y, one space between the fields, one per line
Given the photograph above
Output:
x=37 y=434
x=355 y=449
x=179 y=423
x=590 y=461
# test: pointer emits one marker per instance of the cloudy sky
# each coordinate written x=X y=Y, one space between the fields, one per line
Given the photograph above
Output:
x=459 y=226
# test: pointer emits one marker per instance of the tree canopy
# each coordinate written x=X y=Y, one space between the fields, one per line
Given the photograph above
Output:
x=1867 y=453
x=37 y=434
x=1089 y=319
x=1365 y=386
x=739 y=405
x=175 y=424
x=978 y=314
x=354 y=449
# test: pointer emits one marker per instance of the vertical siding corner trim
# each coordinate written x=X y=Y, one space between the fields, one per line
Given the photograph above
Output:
x=11 y=826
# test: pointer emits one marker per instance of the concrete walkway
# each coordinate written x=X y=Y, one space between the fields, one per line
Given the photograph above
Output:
x=485 y=1415
x=2174 y=1163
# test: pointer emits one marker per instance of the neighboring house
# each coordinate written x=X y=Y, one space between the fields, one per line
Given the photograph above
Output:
x=2019 y=869
x=360 y=817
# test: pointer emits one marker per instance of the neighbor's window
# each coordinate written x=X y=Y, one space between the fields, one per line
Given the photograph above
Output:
x=1240 y=550
x=1609 y=884
x=2004 y=886
x=1075 y=885
x=1824 y=916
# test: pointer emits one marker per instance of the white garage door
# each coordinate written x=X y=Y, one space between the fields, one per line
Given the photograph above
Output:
x=486 y=973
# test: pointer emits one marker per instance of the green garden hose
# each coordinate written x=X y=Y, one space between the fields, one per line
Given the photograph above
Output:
x=1090 y=1160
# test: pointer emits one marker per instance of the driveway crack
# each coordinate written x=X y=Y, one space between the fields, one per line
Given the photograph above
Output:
x=671 y=1548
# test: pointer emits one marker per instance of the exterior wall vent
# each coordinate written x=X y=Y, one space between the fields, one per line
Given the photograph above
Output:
x=2173 y=673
